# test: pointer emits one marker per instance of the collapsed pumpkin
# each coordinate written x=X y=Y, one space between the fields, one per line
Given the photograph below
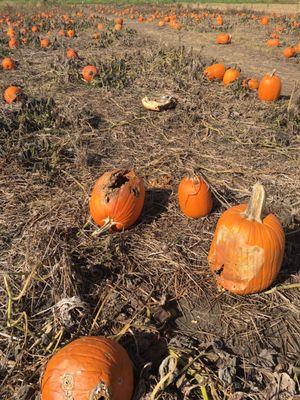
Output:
x=194 y=196
x=247 y=249
x=117 y=199
x=89 y=368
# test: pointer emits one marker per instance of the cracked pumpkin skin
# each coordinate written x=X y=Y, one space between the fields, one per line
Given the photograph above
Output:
x=118 y=196
x=246 y=252
x=89 y=368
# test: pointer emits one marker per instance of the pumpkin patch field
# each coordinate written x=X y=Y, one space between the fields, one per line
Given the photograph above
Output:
x=149 y=203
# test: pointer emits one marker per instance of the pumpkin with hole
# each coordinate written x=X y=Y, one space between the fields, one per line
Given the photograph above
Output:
x=89 y=73
x=273 y=43
x=289 y=52
x=12 y=93
x=251 y=83
x=89 y=368
x=8 y=63
x=269 y=87
x=194 y=197
x=223 y=38
x=247 y=248
x=117 y=199
x=231 y=75
x=215 y=71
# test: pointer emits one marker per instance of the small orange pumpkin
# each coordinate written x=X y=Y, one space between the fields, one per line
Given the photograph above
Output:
x=270 y=87
x=13 y=44
x=273 y=43
x=215 y=71
x=89 y=368
x=223 y=38
x=219 y=20
x=8 y=63
x=119 y=21
x=247 y=250
x=89 y=73
x=251 y=83
x=297 y=48
x=289 y=52
x=231 y=74
x=194 y=196
x=264 y=20
x=117 y=199
x=12 y=93
x=44 y=43
x=34 y=29
x=118 y=27
x=100 y=26
x=70 y=33
x=70 y=53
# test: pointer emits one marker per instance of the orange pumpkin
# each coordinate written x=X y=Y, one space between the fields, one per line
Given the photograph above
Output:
x=194 y=196
x=247 y=250
x=13 y=44
x=8 y=63
x=70 y=53
x=34 y=29
x=117 y=199
x=297 y=48
x=70 y=33
x=264 y=20
x=215 y=71
x=61 y=33
x=251 y=83
x=219 y=20
x=118 y=27
x=100 y=26
x=270 y=87
x=89 y=73
x=89 y=368
x=273 y=43
x=119 y=21
x=289 y=52
x=45 y=42
x=231 y=74
x=223 y=38
x=12 y=93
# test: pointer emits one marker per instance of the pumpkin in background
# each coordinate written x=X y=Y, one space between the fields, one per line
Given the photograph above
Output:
x=273 y=43
x=223 y=38
x=117 y=199
x=251 y=83
x=118 y=27
x=247 y=249
x=13 y=44
x=194 y=196
x=89 y=73
x=297 y=48
x=119 y=21
x=219 y=20
x=270 y=87
x=44 y=43
x=264 y=20
x=8 y=63
x=231 y=74
x=70 y=53
x=89 y=368
x=215 y=71
x=70 y=33
x=12 y=93
x=289 y=52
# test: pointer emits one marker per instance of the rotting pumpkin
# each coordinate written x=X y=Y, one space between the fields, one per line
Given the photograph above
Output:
x=89 y=368
x=247 y=249
x=117 y=200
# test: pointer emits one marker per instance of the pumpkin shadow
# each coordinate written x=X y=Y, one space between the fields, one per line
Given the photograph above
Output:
x=156 y=202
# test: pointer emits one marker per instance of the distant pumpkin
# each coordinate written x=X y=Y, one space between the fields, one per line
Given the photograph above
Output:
x=289 y=52
x=89 y=73
x=12 y=94
x=8 y=63
x=223 y=38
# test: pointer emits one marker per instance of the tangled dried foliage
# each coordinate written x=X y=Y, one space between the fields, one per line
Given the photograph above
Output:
x=150 y=286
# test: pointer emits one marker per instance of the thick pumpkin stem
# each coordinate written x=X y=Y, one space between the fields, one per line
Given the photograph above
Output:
x=256 y=204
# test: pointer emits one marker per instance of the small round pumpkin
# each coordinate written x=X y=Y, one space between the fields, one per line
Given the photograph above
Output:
x=118 y=27
x=119 y=21
x=89 y=73
x=34 y=29
x=264 y=20
x=194 y=197
x=251 y=83
x=8 y=63
x=100 y=26
x=44 y=43
x=70 y=53
x=13 y=44
x=289 y=52
x=223 y=38
x=231 y=74
x=219 y=20
x=12 y=93
x=89 y=368
x=70 y=33
x=117 y=199
x=270 y=87
x=215 y=71
x=273 y=43
x=247 y=250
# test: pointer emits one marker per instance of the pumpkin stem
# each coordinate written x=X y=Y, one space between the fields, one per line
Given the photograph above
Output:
x=108 y=223
x=256 y=203
x=273 y=72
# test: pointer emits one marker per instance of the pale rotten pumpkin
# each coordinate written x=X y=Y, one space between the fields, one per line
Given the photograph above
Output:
x=89 y=368
x=247 y=250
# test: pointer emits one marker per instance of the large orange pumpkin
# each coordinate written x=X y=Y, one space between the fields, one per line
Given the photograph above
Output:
x=194 y=196
x=215 y=71
x=247 y=250
x=269 y=87
x=117 y=199
x=89 y=368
